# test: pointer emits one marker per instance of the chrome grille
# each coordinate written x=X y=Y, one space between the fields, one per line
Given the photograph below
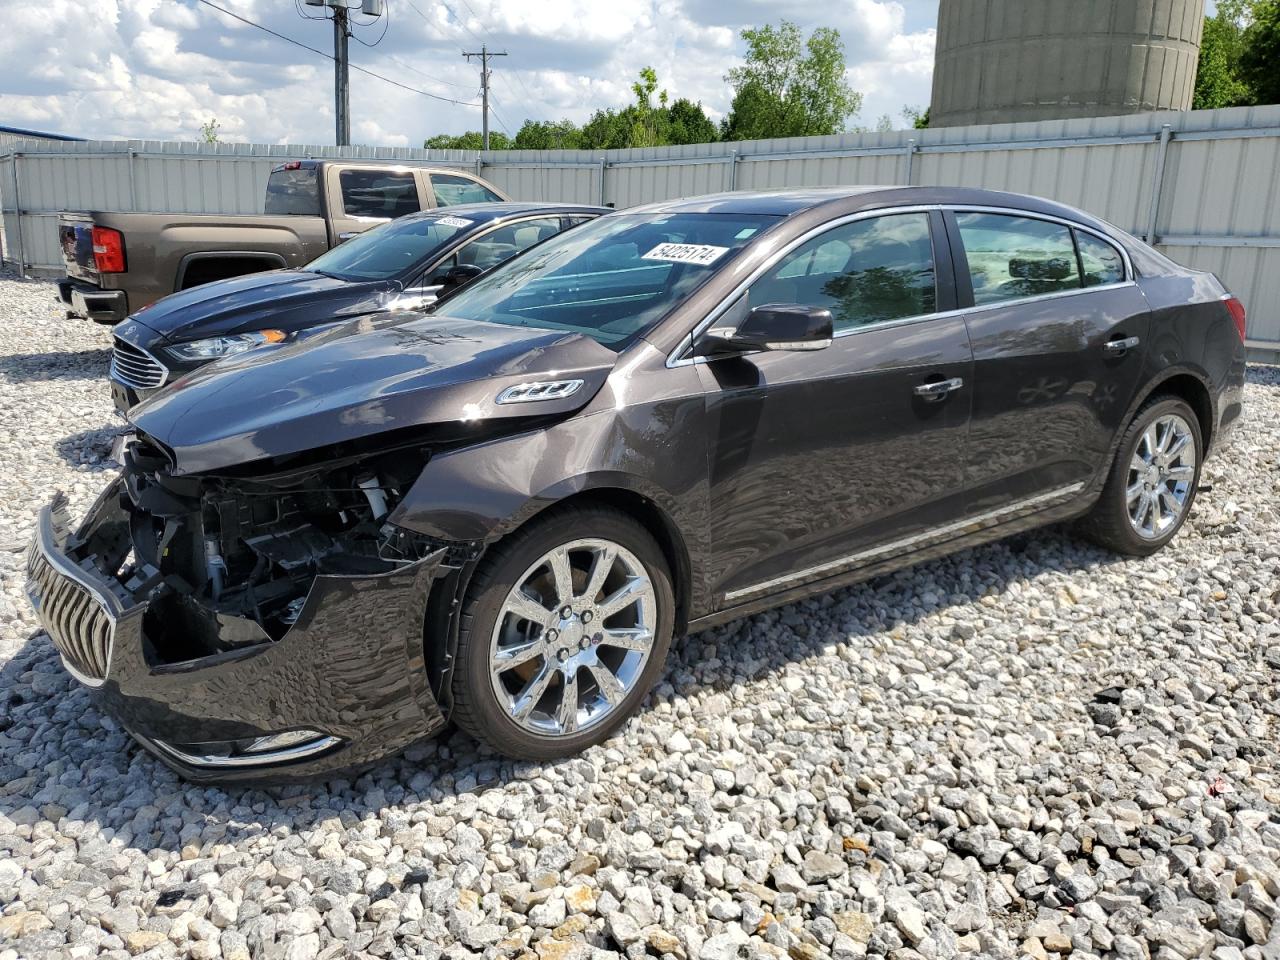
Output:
x=76 y=622
x=136 y=368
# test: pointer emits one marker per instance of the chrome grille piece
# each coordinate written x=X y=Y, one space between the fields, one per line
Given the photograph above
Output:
x=76 y=622
x=136 y=368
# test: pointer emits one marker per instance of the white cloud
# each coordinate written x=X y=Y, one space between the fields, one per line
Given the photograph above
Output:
x=158 y=69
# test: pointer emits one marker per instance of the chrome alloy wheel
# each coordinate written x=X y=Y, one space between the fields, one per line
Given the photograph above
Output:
x=1160 y=476
x=573 y=637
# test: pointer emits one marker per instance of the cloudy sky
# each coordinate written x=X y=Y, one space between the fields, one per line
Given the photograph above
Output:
x=158 y=69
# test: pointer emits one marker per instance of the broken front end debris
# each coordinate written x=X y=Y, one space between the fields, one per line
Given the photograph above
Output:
x=249 y=627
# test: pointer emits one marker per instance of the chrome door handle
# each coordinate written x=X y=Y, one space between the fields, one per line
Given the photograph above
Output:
x=1118 y=347
x=936 y=391
x=342 y=237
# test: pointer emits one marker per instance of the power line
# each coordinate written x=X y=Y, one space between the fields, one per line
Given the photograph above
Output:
x=329 y=56
x=460 y=20
x=497 y=116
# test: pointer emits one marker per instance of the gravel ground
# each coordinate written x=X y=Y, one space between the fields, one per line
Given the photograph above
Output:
x=1029 y=749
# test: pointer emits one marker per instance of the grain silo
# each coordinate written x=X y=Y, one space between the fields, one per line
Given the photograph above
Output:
x=1003 y=61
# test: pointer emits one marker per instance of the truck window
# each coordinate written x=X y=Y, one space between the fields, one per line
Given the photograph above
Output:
x=293 y=192
x=450 y=189
x=378 y=193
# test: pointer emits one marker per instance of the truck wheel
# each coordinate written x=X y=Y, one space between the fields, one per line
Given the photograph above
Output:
x=1152 y=484
x=565 y=627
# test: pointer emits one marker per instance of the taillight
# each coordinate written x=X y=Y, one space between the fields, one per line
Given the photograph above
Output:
x=1236 y=309
x=108 y=250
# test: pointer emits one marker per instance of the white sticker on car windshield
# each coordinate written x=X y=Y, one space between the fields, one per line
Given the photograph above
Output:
x=699 y=253
x=454 y=222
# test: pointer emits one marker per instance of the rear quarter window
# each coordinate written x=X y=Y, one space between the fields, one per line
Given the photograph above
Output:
x=293 y=193
x=1100 y=261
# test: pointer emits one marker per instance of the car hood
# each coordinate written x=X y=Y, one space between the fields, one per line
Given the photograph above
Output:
x=280 y=299
x=353 y=380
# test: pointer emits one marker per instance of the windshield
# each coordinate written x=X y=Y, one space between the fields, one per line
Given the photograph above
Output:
x=610 y=279
x=388 y=250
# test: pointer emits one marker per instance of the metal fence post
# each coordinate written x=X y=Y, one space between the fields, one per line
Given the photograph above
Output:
x=1157 y=186
x=733 y=171
x=17 y=216
x=133 y=181
x=911 y=156
x=603 y=166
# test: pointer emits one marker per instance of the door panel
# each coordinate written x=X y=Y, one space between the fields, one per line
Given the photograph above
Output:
x=1049 y=394
x=819 y=455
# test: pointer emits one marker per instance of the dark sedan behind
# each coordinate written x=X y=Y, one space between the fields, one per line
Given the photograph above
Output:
x=403 y=264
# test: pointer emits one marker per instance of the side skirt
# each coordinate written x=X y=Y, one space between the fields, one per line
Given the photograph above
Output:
x=885 y=560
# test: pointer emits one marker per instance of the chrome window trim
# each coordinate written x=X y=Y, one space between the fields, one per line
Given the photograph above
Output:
x=842 y=564
x=678 y=358
x=1031 y=215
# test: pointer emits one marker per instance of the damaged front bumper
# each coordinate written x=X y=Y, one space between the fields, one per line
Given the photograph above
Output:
x=346 y=685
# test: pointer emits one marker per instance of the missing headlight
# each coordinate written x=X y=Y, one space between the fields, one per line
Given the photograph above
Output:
x=229 y=561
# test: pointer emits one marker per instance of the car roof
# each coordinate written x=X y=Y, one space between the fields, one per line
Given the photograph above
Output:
x=854 y=199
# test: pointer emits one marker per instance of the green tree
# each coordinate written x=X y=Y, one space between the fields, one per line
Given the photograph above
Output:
x=689 y=123
x=652 y=120
x=471 y=140
x=646 y=124
x=548 y=135
x=919 y=119
x=209 y=131
x=1219 y=80
x=788 y=86
x=1260 y=60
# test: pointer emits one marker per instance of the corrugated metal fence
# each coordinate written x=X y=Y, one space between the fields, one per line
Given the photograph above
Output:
x=1204 y=184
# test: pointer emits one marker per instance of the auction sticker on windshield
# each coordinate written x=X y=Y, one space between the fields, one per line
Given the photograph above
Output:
x=699 y=253
x=454 y=222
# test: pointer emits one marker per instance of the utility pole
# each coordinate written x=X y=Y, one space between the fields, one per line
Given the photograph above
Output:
x=484 y=56
x=341 y=31
x=341 y=84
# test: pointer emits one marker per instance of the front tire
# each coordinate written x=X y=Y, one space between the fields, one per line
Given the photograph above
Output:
x=564 y=629
x=1152 y=484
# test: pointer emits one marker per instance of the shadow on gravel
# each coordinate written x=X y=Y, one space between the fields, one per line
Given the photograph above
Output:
x=56 y=365
x=97 y=774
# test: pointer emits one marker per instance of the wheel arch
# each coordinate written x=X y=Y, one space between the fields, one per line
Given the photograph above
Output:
x=205 y=258
x=1189 y=385
x=623 y=492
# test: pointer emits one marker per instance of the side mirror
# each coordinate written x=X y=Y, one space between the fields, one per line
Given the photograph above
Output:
x=462 y=273
x=773 y=326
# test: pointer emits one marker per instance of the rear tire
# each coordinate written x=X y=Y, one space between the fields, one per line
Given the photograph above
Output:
x=1152 y=485
x=564 y=630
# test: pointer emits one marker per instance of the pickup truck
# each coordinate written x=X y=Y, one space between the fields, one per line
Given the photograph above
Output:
x=118 y=263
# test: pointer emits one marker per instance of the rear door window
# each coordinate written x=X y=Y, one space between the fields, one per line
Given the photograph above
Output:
x=451 y=189
x=865 y=272
x=378 y=194
x=1100 y=261
x=1013 y=257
